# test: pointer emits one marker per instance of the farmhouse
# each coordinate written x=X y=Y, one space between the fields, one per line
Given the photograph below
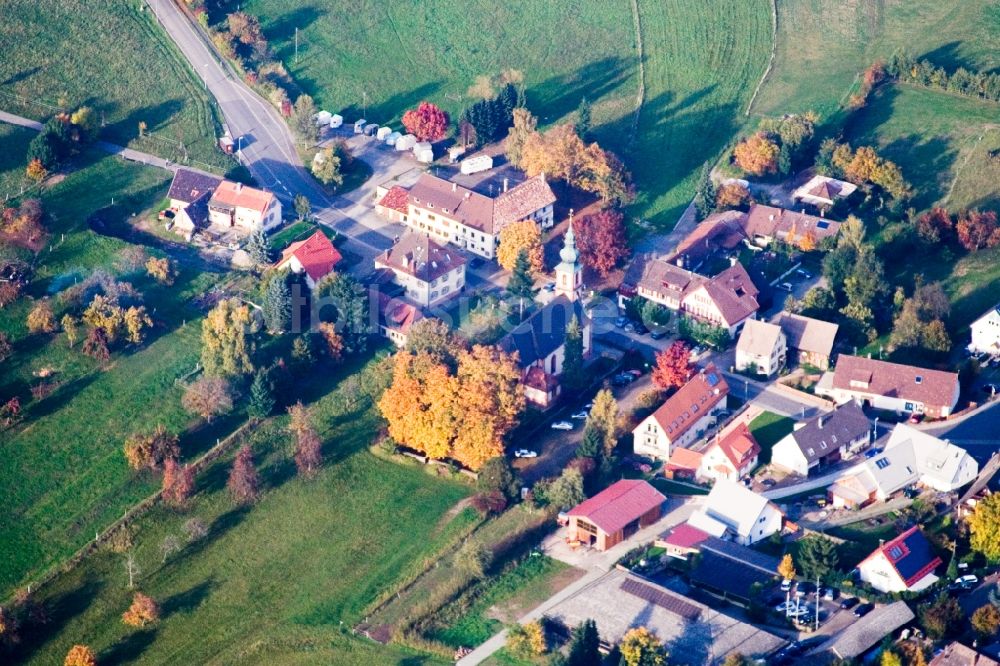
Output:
x=188 y=186
x=905 y=564
x=730 y=456
x=540 y=343
x=314 y=257
x=891 y=386
x=395 y=318
x=465 y=218
x=615 y=514
x=823 y=191
x=429 y=272
x=810 y=340
x=823 y=440
x=986 y=333
x=761 y=348
x=733 y=511
x=719 y=233
x=766 y=224
x=867 y=632
x=235 y=205
x=684 y=416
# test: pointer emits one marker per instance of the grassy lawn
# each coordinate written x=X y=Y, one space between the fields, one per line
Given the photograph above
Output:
x=15 y=144
x=694 y=97
x=280 y=583
x=937 y=139
x=768 y=429
x=853 y=34
x=671 y=487
x=114 y=57
x=63 y=474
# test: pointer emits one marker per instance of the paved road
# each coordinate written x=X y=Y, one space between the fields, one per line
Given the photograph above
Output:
x=267 y=147
x=112 y=148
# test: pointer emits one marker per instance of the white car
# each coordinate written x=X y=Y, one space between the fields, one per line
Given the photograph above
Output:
x=525 y=453
x=562 y=425
x=582 y=414
x=967 y=580
x=786 y=585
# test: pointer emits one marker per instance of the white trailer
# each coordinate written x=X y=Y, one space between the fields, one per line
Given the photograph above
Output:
x=477 y=164
x=323 y=118
x=336 y=120
x=359 y=126
x=383 y=132
x=406 y=142
x=393 y=138
x=424 y=152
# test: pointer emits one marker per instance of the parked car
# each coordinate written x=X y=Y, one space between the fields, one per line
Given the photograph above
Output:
x=562 y=425
x=770 y=483
x=785 y=286
x=621 y=321
x=805 y=587
x=849 y=603
x=640 y=328
x=635 y=372
x=797 y=612
x=525 y=453
x=967 y=580
x=831 y=593
x=550 y=286
x=804 y=273
x=786 y=585
x=623 y=379
x=658 y=334
x=871 y=453
x=630 y=327
x=784 y=606
x=864 y=609
x=582 y=414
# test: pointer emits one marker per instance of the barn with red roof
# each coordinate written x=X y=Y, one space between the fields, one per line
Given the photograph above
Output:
x=614 y=514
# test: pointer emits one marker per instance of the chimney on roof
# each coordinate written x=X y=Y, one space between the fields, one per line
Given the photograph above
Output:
x=680 y=261
x=819 y=422
x=505 y=183
x=822 y=212
x=771 y=216
x=803 y=211
x=454 y=187
x=468 y=194
x=239 y=187
x=733 y=260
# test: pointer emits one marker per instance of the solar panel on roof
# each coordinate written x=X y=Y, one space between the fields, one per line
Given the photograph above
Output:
x=661 y=598
x=712 y=379
x=882 y=463
x=822 y=225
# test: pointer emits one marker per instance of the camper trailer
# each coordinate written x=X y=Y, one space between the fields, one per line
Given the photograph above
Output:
x=477 y=164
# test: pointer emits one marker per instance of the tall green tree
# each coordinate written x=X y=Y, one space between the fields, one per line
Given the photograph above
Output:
x=302 y=206
x=584 y=645
x=277 y=306
x=302 y=122
x=259 y=248
x=818 y=557
x=583 y=118
x=345 y=303
x=573 y=376
x=521 y=285
x=260 y=402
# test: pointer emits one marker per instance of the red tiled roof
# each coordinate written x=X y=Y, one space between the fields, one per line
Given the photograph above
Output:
x=396 y=314
x=619 y=504
x=771 y=222
x=694 y=400
x=242 y=196
x=739 y=446
x=682 y=459
x=734 y=294
x=522 y=200
x=317 y=255
x=685 y=536
x=417 y=255
x=395 y=199
x=867 y=375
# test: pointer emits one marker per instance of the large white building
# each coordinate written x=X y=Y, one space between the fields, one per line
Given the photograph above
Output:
x=761 y=348
x=429 y=272
x=986 y=333
x=684 y=417
x=736 y=512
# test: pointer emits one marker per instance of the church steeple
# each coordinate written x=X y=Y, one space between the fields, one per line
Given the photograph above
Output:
x=569 y=273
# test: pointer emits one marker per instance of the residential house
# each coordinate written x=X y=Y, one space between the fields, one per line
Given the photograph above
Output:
x=810 y=340
x=736 y=512
x=891 y=386
x=682 y=541
x=684 y=416
x=717 y=236
x=905 y=564
x=615 y=513
x=866 y=632
x=761 y=348
x=766 y=224
x=315 y=257
x=910 y=456
x=730 y=456
x=429 y=272
x=727 y=300
x=465 y=218
x=823 y=440
x=238 y=206
x=823 y=191
x=986 y=333
x=731 y=571
x=956 y=654
x=684 y=464
x=188 y=186
x=540 y=342
x=395 y=318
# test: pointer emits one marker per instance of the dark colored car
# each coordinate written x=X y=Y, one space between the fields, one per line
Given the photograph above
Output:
x=658 y=334
x=863 y=610
x=640 y=328
x=849 y=603
x=805 y=587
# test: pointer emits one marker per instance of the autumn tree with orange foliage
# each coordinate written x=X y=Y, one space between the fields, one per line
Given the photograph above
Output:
x=978 y=229
x=732 y=195
x=334 y=344
x=602 y=240
x=150 y=450
x=524 y=235
x=36 y=171
x=560 y=153
x=178 y=483
x=244 y=482
x=427 y=122
x=23 y=224
x=462 y=414
x=673 y=366
x=80 y=655
x=308 y=445
x=935 y=226
x=142 y=612
x=757 y=154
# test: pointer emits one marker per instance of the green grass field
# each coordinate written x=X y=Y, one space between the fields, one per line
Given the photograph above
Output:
x=939 y=140
x=823 y=45
x=281 y=583
x=768 y=429
x=15 y=144
x=114 y=57
x=701 y=63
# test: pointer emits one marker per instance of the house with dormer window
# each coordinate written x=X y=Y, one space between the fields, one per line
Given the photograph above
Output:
x=905 y=564
x=823 y=440
x=684 y=417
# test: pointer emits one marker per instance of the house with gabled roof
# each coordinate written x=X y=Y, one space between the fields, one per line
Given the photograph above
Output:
x=463 y=217
x=315 y=258
x=239 y=206
x=761 y=348
x=956 y=654
x=809 y=340
x=428 y=271
x=905 y=564
x=867 y=632
x=986 y=333
x=735 y=512
x=823 y=440
x=615 y=513
x=891 y=386
x=395 y=318
x=766 y=224
x=731 y=455
x=683 y=417
x=188 y=186
x=823 y=191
